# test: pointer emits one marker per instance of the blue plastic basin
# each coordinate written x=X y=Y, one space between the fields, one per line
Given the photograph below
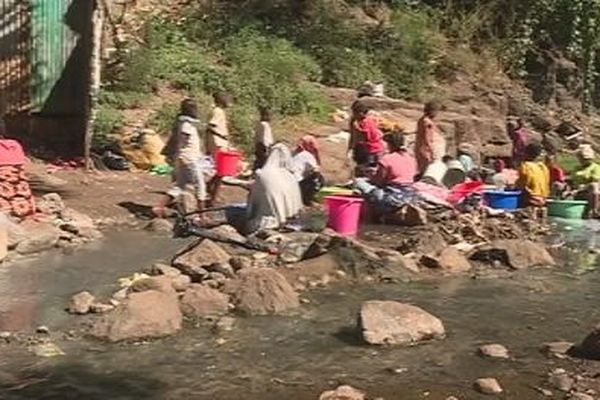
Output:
x=502 y=200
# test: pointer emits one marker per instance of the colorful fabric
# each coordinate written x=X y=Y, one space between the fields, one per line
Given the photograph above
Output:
x=15 y=193
x=11 y=152
x=372 y=137
x=534 y=180
x=396 y=168
x=587 y=175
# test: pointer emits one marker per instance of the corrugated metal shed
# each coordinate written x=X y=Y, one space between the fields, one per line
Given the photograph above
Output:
x=43 y=50
x=15 y=45
x=52 y=45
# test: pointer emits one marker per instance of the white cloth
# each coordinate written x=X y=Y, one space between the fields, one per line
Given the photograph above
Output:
x=303 y=164
x=275 y=196
x=264 y=134
x=188 y=140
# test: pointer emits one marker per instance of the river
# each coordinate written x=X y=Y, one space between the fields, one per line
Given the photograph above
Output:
x=297 y=356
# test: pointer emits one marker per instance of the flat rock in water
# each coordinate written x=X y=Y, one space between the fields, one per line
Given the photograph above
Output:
x=46 y=350
x=81 y=303
x=343 y=393
x=229 y=232
x=143 y=315
x=488 y=386
x=200 y=301
x=494 y=351
x=394 y=323
x=38 y=237
x=557 y=348
x=262 y=291
x=79 y=224
x=203 y=254
x=517 y=254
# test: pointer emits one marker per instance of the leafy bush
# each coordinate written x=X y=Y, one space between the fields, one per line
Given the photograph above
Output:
x=108 y=121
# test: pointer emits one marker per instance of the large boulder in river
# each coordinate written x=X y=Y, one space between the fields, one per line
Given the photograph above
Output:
x=394 y=323
x=203 y=254
x=517 y=254
x=149 y=314
x=200 y=301
x=262 y=291
x=38 y=237
x=590 y=347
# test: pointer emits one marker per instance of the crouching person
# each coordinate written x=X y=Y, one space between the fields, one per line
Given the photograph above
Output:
x=307 y=163
x=275 y=196
x=587 y=180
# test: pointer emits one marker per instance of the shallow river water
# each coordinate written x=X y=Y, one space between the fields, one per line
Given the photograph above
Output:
x=296 y=356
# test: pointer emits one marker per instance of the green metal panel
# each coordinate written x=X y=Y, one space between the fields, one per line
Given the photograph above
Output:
x=53 y=46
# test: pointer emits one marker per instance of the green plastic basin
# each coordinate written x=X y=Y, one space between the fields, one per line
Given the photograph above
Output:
x=568 y=209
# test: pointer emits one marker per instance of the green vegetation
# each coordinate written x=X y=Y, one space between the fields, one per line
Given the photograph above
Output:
x=277 y=52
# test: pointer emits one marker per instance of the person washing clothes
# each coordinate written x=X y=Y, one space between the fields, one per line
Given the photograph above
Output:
x=275 y=195
x=430 y=144
x=558 y=177
x=587 y=180
x=366 y=139
x=184 y=151
x=217 y=137
x=534 y=177
x=307 y=163
x=398 y=166
x=466 y=155
x=263 y=138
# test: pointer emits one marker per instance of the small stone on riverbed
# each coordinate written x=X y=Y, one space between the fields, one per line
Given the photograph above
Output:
x=201 y=302
x=343 y=393
x=225 y=324
x=81 y=303
x=494 y=351
x=488 y=386
x=562 y=382
x=581 y=396
x=558 y=349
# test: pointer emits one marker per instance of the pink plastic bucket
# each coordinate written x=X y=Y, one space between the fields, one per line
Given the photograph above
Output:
x=228 y=162
x=344 y=214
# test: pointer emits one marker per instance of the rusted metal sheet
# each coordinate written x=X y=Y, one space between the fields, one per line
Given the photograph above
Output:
x=54 y=25
x=44 y=56
x=15 y=47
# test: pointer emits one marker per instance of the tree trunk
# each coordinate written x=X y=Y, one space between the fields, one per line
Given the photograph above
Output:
x=94 y=81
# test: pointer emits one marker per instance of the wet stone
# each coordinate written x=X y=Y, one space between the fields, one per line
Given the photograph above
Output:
x=224 y=324
x=562 y=382
x=81 y=303
x=557 y=348
x=488 y=386
x=494 y=351
x=343 y=393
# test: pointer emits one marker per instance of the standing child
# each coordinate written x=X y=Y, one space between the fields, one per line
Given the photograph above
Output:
x=184 y=150
x=366 y=139
x=534 y=177
x=430 y=144
x=263 y=138
x=217 y=137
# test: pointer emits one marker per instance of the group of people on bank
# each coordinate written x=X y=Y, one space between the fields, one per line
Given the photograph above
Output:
x=285 y=179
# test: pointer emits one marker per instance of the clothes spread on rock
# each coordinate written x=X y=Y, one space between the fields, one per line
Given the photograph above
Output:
x=15 y=193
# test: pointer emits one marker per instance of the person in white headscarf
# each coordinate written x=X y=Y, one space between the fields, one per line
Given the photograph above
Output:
x=275 y=196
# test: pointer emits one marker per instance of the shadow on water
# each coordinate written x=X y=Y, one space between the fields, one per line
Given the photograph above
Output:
x=64 y=382
x=351 y=336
